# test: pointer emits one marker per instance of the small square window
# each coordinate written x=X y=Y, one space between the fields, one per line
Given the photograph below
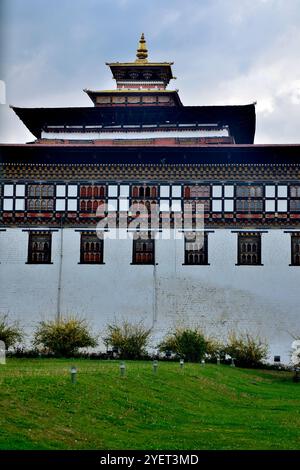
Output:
x=112 y=205
x=270 y=191
x=8 y=204
x=176 y=205
x=176 y=191
x=217 y=191
x=270 y=205
x=20 y=204
x=282 y=191
x=228 y=191
x=60 y=204
x=113 y=191
x=20 y=190
x=164 y=191
x=60 y=190
x=228 y=205
x=217 y=205
x=164 y=206
x=72 y=190
x=124 y=204
x=124 y=190
x=72 y=205
x=282 y=205
x=8 y=190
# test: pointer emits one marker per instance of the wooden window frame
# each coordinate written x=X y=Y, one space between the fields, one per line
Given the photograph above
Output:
x=186 y=252
x=82 y=251
x=38 y=199
x=293 y=253
x=135 y=252
x=247 y=202
x=30 y=247
x=294 y=201
x=258 y=253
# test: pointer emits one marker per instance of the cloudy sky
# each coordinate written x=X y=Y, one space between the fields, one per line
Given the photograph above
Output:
x=225 y=52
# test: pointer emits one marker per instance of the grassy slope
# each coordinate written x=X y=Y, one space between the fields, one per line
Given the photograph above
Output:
x=211 y=407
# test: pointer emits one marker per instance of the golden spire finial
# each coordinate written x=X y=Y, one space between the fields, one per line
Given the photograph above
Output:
x=142 y=51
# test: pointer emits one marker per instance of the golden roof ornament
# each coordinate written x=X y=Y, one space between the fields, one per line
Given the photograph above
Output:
x=142 y=51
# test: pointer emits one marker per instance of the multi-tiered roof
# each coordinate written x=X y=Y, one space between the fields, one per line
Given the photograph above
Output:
x=138 y=82
x=141 y=110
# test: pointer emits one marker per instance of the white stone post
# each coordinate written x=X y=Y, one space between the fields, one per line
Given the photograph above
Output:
x=2 y=353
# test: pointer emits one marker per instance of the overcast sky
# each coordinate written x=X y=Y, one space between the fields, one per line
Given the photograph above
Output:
x=225 y=52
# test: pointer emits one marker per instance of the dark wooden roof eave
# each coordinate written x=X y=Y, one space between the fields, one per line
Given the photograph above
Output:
x=241 y=119
x=206 y=154
x=92 y=94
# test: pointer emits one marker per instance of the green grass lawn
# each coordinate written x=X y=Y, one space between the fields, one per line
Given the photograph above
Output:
x=210 y=407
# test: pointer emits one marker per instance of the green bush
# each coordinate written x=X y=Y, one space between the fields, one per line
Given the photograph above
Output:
x=215 y=349
x=129 y=339
x=189 y=344
x=10 y=332
x=64 y=337
x=247 y=350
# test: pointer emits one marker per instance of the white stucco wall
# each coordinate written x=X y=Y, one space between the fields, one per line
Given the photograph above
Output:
x=219 y=297
x=153 y=134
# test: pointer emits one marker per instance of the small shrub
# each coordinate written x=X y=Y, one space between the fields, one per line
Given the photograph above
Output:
x=64 y=337
x=247 y=350
x=10 y=332
x=20 y=352
x=129 y=339
x=215 y=349
x=189 y=344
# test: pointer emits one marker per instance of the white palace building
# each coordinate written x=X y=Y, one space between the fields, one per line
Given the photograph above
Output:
x=71 y=201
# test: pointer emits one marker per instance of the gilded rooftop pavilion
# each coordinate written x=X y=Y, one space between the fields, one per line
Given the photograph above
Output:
x=137 y=151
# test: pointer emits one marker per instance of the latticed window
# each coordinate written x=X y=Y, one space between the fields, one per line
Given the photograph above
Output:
x=93 y=191
x=40 y=190
x=249 y=205
x=39 y=248
x=143 y=251
x=197 y=205
x=40 y=197
x=90 y=198
x=92 y=205
x=294 y=205
x=295 y=191
x=295 y=249
x=144 y=191
x=196 y=191
x=249 y=191
x=144 y=206
x=196 y=248
x=91 y=249
x=40 y=204
x=249 y=248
